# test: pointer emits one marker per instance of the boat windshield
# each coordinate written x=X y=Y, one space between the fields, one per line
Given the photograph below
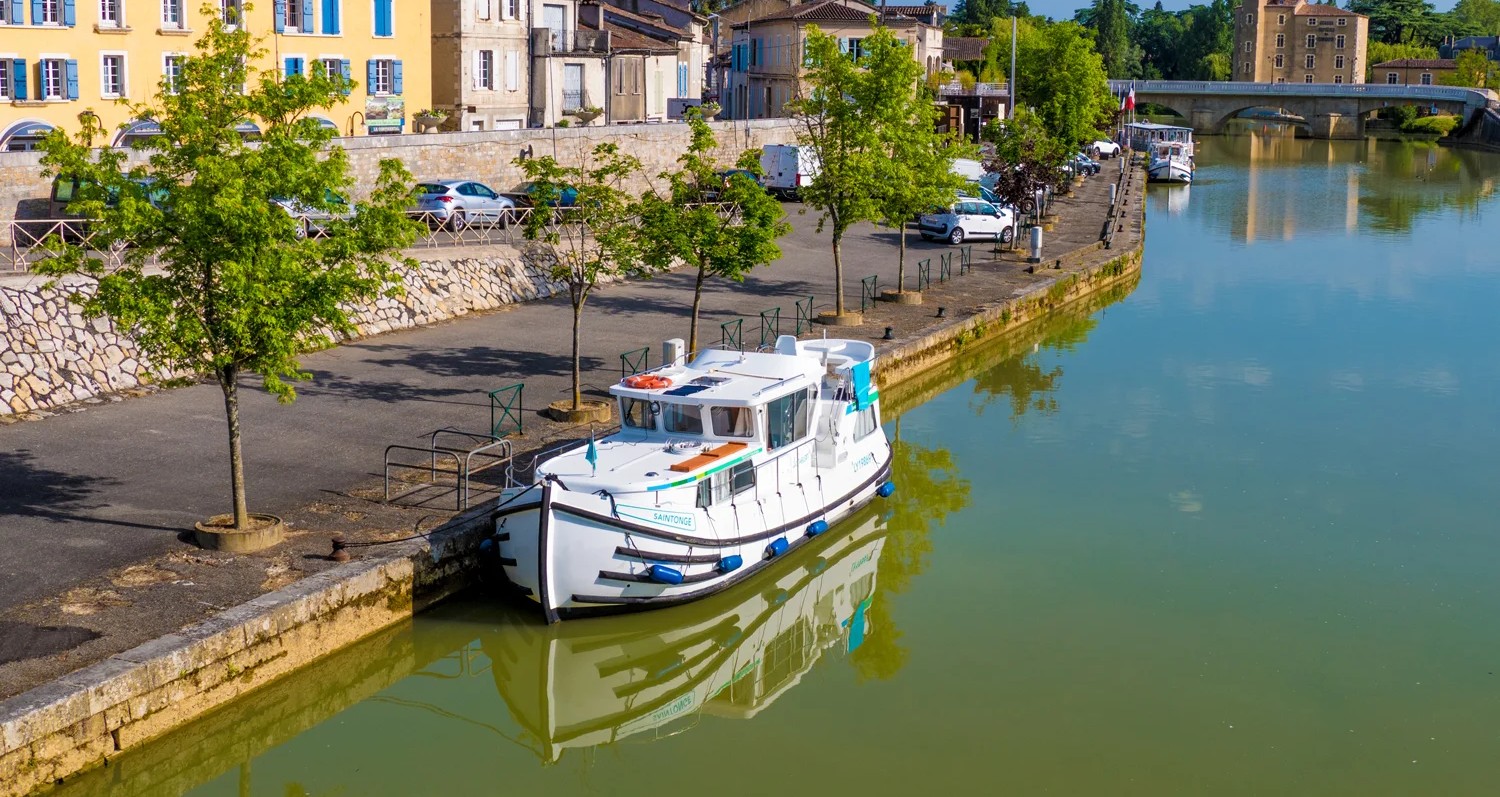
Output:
x=732 y=421
x=637 y=414
x=683 y=418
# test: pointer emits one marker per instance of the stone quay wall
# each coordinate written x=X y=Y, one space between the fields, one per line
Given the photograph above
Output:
x=51 y=355
x=487 y=156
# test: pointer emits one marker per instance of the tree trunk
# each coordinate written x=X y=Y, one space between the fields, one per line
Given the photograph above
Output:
x=901 y=262
x=838 y=274
x=228 y=382
x=697 y=303
x=577 y=377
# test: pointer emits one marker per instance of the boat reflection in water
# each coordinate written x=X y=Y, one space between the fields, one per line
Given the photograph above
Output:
x=595 y=682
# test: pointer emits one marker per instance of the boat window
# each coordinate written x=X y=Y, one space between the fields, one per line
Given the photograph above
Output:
x=787 y=420
x=636 y=414
x=864 y=423
x=726 y=484
x=733 y=421
x=683 y=418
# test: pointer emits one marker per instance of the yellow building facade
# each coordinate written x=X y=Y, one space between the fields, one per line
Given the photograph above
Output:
x=60 y=58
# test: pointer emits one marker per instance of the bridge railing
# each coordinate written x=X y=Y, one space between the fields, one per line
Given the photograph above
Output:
x=1473 y=97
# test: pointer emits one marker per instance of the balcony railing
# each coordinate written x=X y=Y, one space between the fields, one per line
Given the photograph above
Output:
x=957 y=89
x=552 y=41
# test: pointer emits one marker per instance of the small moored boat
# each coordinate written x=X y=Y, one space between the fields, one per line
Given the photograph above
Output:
x=719 y=466
x=1169 y=151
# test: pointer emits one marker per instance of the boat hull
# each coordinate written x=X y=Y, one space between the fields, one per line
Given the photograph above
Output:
x=583 y=554
x=1169 y=172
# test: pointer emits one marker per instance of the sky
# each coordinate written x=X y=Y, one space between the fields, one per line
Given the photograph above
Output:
x=1063 y=9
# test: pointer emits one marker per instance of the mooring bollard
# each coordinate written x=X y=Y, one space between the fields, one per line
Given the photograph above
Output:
x=1036 y=245
x=1112 y=189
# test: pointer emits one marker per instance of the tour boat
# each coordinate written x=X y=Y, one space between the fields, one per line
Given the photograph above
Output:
x=1169 y=150
x=719 y=466
x=581 y=685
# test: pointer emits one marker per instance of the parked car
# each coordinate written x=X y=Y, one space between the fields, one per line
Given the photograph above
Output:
x=969 y=218
x=1083 y=164
x=525 y=196
x=712 y=195
x=788 y=168
x=314 y=221
x=979 y=191
x=69 y=225
x=456 y=204
x=1104 y=148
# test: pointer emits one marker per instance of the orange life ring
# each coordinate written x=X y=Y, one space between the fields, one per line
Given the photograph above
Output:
x=647 y=381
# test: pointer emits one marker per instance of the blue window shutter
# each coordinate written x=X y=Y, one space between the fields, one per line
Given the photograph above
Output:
x=70 y=13
x=18 y=79
x=36 y=12
x=682 y=72
x=395 y=77
x=843 y=45
x=279 y=10
x=72 y=79
x=307 y=18
x=382 y=17
x=17 y=11
x=370 y=78
x=331 y=17
x=344 y=68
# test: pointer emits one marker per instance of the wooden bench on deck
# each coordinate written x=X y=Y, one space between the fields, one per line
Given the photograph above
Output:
x=708 y=457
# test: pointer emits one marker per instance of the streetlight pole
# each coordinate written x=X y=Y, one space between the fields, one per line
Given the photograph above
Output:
x=1011 y=111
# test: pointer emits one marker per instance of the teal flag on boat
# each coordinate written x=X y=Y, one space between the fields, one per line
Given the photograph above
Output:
x=864 y=389
x=592 y=455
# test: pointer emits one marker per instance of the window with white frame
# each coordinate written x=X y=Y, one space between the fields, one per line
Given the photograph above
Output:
x=1312 y=41
x=1248 y=47
x=111 y=14
x=51 y=12
x=171 y=70
x=1312 y=21
x=1281 y=40
x=1391 y=78
x=1343 y=21
x=512 y=9
x=112 y=75
x=1245 y=68
x=54 y=72
x=1338 y=78
x=1338 y=62
x=1308 y=60
x=332 y=67
x=1427 y=78
x=5 y=89
x=1280 y=60
x=231 y=11
x=1307 y=78
x=171 y=14
x=1281 y=19
x=482 y=9
x=484 y=69
x=299 y=16
x=5 y=15
x=380 y=74
x=1249 y=19
x=1338 y=41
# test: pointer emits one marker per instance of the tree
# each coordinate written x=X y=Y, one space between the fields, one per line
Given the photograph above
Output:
x=1479 y=17
x=835 y=107
x=975 y=17
x=1110 y=20
x=237 y=286
x=1380 y=52
x=1026 y=158
x=1064 y=78
x=595 y=239
x=725 y=226
x=1472 y=69
x=1399 y=21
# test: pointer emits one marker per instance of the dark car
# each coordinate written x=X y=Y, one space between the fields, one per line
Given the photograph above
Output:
x=525 y=196
x=712 y=195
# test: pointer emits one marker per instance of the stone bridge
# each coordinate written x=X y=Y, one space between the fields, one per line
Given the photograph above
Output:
x=1332 y=110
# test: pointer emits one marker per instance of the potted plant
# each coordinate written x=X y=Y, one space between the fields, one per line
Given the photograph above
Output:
x=587 y=113
x=430 y=119
x=709 y=109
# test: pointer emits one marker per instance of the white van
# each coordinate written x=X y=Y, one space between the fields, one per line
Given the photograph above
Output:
x=788 y=169
x=972 y=169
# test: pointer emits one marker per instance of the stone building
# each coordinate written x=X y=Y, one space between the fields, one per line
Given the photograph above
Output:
x=1413 y=71
x=765 y=58
x=567 y=66
x=651 y=60
x=1294 y=41
x=480 y=63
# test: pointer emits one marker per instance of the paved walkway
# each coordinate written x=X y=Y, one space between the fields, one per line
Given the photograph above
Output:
x=84 y=494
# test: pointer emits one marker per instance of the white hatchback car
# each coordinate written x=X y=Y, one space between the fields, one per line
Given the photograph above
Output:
x=1104 y=148
x=969 y=218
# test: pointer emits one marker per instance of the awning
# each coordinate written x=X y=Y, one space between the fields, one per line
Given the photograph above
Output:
x=26 y=130
x=246 y=128
x=142 y=127
x=322 y=122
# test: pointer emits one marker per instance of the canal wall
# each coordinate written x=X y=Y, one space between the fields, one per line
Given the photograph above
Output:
x=1482 y=133
x=88 y=717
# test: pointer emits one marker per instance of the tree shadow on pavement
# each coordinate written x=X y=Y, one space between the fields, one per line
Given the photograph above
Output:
x=54 y=496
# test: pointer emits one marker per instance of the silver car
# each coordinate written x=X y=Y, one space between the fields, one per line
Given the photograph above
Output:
x=457 y=204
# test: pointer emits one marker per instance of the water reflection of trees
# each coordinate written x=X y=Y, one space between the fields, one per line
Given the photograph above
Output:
x=1027 y=385
x=929 y=488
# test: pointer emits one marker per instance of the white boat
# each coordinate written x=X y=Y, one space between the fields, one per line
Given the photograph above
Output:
x=582 y=685
x=720 y=465
x=1169 y=150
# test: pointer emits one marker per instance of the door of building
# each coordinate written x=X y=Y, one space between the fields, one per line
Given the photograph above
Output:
x=572 y=87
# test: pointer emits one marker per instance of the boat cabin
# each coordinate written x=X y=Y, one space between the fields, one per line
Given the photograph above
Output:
x=1153 y=137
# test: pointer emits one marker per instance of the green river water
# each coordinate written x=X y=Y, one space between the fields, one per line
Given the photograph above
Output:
x=1229 y=530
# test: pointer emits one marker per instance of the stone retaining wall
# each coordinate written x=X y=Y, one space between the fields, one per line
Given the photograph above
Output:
x=50 y=355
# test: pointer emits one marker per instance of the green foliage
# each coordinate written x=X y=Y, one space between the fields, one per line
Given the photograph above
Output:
x=1027 y=157
x=1473 y=70
x=976 y=17
x=1379 y=52
x=1442 y=125
x=595 y=239
x=1060 y=76
x=844 y=106
x=235 y=285
x=1400 y=21
x=721 y=241
x=1194 y=44
x=1110 y=22
x=1477 y=17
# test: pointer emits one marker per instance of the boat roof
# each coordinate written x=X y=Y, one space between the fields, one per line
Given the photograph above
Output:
x=744 y=378
x=1155 y=126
